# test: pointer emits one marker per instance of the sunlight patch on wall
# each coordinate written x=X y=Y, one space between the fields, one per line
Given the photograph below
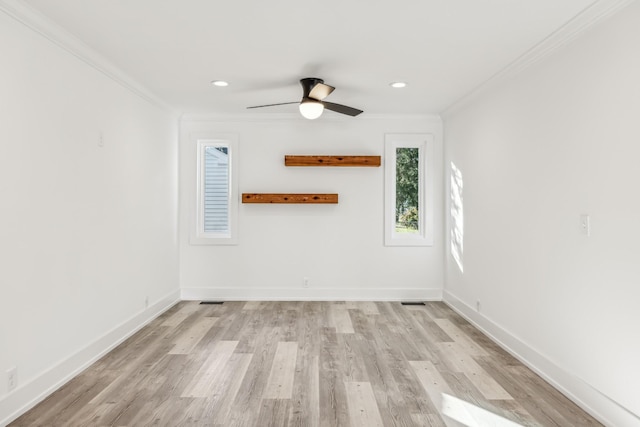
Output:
x=457 y=216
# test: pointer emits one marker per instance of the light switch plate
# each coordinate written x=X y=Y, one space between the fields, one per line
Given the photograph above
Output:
x=585 y=225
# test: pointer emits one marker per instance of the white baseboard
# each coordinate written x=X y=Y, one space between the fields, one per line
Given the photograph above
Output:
x=311 y=294
x=33 y=392
x=600 y=406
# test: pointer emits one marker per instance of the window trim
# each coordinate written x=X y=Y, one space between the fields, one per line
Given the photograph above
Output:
x=425 y=143
x=198 y=236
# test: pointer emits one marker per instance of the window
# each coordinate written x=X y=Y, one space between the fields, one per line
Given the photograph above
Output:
x=217 y=205
x=408 y=190
x=215 y=189
x=457 y=216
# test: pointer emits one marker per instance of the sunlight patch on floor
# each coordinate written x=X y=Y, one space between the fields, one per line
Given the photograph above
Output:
x=471 y=415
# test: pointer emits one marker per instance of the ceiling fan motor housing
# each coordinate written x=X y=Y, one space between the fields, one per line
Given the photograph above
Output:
x=308 y=84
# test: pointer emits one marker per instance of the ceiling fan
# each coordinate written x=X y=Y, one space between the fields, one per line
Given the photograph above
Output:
x=314 y=91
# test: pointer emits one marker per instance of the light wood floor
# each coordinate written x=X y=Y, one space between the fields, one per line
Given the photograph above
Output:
x=307 y=364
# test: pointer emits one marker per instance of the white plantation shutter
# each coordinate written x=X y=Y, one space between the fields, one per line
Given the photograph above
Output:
x=216 y=190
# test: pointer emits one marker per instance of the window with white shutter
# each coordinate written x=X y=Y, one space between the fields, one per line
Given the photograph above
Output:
x=217 y=195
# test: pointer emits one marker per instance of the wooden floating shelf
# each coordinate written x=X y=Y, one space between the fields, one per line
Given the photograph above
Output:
x=372 y=161
x=289 y=198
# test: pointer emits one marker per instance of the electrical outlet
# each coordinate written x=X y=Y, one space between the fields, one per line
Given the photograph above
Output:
x=478 y=306
x=146 y=302
x=100 y=140
x=305 y=282
x=12 y=378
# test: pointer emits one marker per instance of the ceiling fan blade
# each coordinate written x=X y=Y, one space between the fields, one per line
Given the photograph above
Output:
x=320 y=91
x=343 y=109
x=273 y=105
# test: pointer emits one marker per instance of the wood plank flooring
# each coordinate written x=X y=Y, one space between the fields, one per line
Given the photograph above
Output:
x=316 y=364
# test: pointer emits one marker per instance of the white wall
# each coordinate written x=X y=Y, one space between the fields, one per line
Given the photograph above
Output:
x=338 y=247
x=87 y=233
x=560 y=140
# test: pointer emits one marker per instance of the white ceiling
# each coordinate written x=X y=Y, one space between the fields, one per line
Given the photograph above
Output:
x=443 y=49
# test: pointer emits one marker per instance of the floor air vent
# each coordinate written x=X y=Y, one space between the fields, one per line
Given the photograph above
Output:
x=412 y=303
x=211 y=302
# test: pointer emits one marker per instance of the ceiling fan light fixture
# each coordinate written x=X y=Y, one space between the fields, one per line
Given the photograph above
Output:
x=311 y=109
x=314 y=91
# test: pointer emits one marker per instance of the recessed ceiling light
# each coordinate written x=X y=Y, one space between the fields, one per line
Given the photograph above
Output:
x=398 y=85
x=220 y=83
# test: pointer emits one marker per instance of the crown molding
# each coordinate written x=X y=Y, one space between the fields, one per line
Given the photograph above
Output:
x=595 y=13
x=39 y=23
